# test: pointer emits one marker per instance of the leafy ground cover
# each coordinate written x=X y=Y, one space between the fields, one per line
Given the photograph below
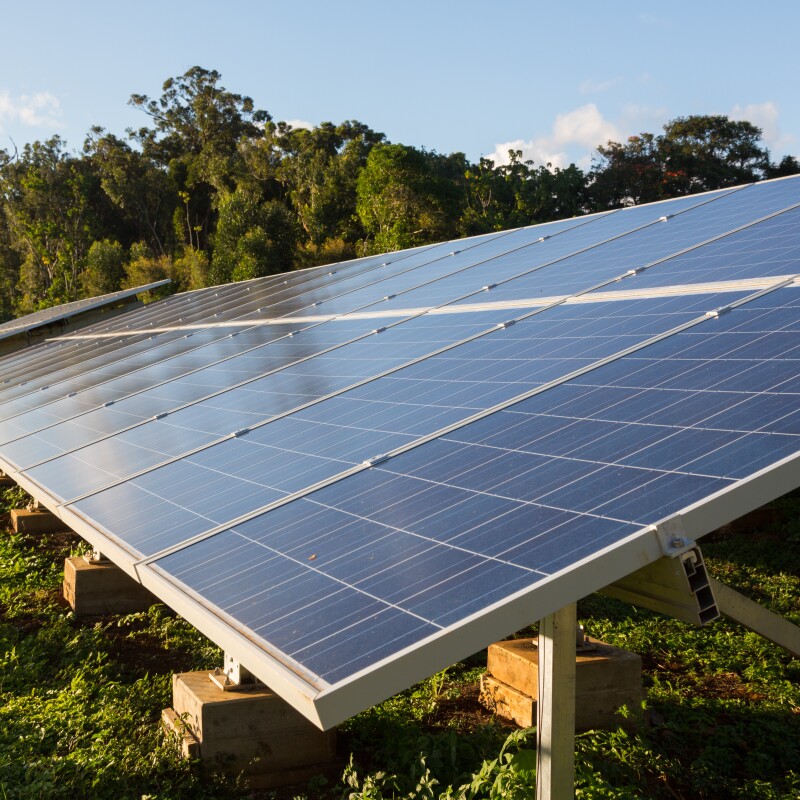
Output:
x=80 y=700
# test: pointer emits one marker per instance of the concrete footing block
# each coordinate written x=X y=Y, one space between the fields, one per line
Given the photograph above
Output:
x=606 y=678
x=93 y=588
x=36 y=521
x=189 y=743
x=250 y=733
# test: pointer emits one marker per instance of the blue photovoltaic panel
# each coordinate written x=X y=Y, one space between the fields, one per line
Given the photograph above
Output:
x=202 y=427
x=210 y=347
x=233 y=470
x=768 y=248
x=650 y=244
x=111 y=391
x=539 y=263
x=336 y=433
x=83 y=430
x=443 y=530
x=68 y=311
x=160 y=331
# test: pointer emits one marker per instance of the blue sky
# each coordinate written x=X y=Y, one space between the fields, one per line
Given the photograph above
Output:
x=552 y=79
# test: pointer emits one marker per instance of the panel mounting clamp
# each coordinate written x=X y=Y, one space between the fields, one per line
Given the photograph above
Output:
x=672 y=537
x=371 y=462
x=718 y=312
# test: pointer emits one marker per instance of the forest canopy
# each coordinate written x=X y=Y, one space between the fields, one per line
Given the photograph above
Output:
x=211 y=189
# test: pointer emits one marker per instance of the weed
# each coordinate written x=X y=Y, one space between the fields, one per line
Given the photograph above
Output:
x=80 y=700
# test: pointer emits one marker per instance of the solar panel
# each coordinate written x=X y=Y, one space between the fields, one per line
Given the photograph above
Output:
x=358 y=476
x=67 y=312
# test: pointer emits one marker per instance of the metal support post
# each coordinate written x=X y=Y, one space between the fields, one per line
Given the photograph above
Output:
x=555 y=730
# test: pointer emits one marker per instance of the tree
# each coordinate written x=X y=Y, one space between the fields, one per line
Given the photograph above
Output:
x=629 y=174
x=50 y=202
x=105 y=268
x=253 y=239
x=705 y=152
x=788 y=165
x=143 y=268
x=199 y=128
x=694 y=154
x=191 y=270
x=489 y=198
x=9 y=255
x=319 y=171
x=518 y=193
x=401 y=200
x=138 y=188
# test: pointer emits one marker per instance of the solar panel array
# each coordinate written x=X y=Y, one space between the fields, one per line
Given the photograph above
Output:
x=351 y=476
x=69 y=311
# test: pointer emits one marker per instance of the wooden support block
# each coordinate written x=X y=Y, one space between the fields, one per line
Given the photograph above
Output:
x=252 y=732
x=36 y=521
x=102 y=588
x=606 y=678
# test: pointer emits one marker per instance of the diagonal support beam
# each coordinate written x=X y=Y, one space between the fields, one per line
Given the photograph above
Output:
x=677 y=586
x=758 y=619
x=555 y=729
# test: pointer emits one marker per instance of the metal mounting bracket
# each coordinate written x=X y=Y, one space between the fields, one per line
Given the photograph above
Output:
x=677 y=586
x=673 y=537
x=232 y=676
x=96 y=557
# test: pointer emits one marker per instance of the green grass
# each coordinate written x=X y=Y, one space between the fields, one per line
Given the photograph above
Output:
x=80 y=701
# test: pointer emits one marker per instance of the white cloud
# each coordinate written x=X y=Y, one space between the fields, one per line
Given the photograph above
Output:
x=299 y=123
x=765 y=115
x=584 y=125
x=581 y=129
x=38 y=110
